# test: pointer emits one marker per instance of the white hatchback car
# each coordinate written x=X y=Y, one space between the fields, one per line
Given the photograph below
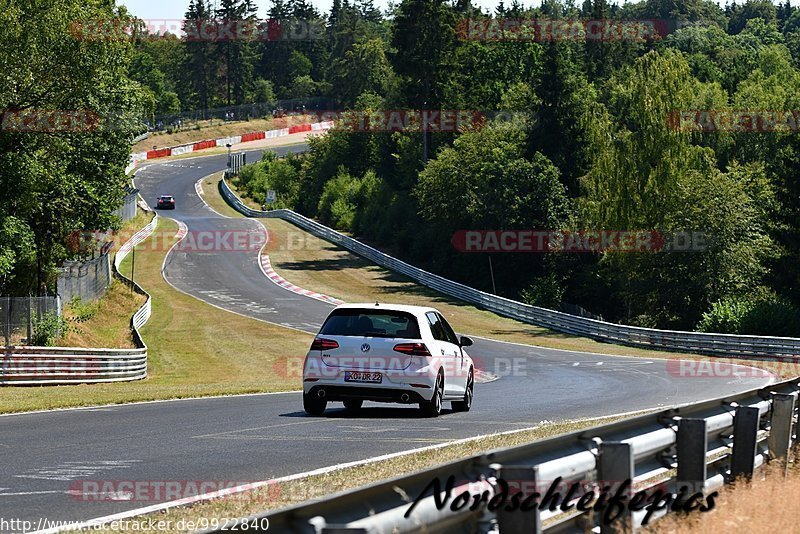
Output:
x=388 y=353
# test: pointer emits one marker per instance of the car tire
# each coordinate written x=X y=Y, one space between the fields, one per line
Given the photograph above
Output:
x=466 y=404
x=314 y=406
x=353 y=404
x=433 y=407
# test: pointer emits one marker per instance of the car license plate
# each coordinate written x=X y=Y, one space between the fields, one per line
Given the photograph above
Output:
x=363 y=377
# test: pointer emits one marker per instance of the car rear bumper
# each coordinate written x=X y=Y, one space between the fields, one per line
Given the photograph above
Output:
x=335 y=393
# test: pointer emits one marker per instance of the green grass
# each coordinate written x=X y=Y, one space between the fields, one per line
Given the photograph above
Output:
x=195 y=350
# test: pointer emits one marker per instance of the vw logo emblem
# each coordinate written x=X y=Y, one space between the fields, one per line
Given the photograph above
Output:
x=365 y=347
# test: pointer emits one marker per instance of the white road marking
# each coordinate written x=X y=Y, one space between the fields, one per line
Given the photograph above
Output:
x=307 y=422
x=29 y=493
x=67 y=471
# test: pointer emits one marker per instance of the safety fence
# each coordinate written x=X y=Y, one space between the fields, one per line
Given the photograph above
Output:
x=20 y=316
x=127 y=210
x=86 y=279
x=643 y=466
x=43 y=366
x=693 y=342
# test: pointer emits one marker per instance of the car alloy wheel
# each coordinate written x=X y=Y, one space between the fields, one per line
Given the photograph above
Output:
x=466 y=404
x=433 y=407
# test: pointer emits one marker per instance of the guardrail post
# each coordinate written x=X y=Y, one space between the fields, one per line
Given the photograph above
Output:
x=745 y=435
x=518 y=521
x=780 y=433
x=692 y=442
x=615 y=467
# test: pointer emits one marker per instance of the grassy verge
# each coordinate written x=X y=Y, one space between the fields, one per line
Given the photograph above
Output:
x=760 y=506
x=320 y=266
x=106 y=322
x=228 y=354
x=283 y=494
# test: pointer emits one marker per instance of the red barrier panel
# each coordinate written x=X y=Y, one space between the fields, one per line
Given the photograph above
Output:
x=202 y=145
x=163 y=153
x=255 y=136
x=299 y=128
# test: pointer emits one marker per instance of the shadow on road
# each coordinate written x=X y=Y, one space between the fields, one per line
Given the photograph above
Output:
x=367 y=412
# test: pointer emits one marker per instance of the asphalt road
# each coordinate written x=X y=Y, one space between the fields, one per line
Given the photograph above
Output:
x=47 y=456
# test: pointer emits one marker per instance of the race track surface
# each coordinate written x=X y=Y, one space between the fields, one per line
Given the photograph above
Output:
x=251 y=438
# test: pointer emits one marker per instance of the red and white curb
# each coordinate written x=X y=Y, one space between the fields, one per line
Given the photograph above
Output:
x=269 y=272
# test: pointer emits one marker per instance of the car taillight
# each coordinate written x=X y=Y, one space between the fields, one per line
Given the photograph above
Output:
x=412 y=349
x=324 y=344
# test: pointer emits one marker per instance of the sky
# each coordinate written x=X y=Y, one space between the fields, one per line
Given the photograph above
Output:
x=176 y=9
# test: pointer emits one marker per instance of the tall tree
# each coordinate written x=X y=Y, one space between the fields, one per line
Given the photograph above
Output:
x=199 y=60
x=240 y=17
x=63 y=175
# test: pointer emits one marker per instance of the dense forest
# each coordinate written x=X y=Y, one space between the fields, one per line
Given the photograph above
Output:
x=580 y=134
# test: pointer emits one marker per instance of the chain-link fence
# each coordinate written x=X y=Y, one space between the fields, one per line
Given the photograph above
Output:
x=19 y=317
x=87 y=279
x=127 y=210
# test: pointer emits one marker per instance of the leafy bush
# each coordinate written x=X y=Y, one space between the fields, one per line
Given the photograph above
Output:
x=272 y=173
x=763 y=313
x=545 y=292
x=47 y=329
x=346 y=196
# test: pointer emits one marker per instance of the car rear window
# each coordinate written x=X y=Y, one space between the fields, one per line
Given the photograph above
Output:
x=371 y=323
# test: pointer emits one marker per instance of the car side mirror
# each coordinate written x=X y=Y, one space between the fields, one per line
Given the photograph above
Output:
x=466 y=342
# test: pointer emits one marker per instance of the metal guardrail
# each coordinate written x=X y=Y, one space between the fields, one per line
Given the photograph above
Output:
x=700 y=446
x=141 y=137
x=694 y=342
x=43 y=366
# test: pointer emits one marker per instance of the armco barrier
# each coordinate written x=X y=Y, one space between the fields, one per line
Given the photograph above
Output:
x=694 y=342
x=699 y=447
x=44 y=366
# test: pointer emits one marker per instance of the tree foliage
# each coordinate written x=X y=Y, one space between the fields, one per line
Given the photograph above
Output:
x=60 y=178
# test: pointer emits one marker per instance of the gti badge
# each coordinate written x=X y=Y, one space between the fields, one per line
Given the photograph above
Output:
x=365 y=347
